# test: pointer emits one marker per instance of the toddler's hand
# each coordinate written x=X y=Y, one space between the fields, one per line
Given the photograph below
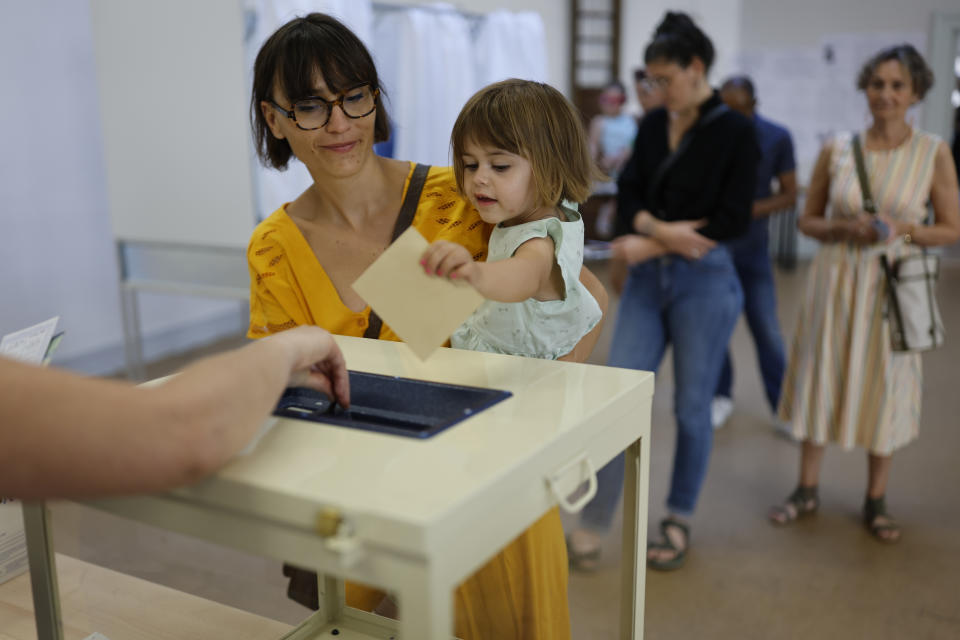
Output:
x=448 y=259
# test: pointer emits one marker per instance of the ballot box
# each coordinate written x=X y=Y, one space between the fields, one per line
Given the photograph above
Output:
x=412 y=515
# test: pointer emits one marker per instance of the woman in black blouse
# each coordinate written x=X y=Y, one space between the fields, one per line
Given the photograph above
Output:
x=687 y=188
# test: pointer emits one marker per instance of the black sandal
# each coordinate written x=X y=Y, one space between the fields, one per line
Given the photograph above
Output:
x=887 y=532
x=804 y=500
x=680 y=555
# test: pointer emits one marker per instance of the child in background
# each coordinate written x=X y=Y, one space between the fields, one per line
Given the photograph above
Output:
x=611 y=137
x=612 y=131
x=521 y=157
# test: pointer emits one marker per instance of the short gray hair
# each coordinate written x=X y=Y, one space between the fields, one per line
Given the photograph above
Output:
x=921 y=77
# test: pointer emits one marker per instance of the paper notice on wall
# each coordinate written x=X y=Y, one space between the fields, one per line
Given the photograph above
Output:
x=30 y=344
x=13 y=544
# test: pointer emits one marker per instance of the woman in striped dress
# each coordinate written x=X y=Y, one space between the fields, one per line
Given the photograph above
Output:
x=843 y=383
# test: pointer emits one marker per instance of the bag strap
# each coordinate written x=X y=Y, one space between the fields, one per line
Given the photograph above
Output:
x=868 y=204
x=404 y=219
x=889 y=276
x=931 y=301
x=893 y=302
x=682 y=147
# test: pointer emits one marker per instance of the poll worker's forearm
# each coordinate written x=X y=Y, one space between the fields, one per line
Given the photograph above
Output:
x=91 y=437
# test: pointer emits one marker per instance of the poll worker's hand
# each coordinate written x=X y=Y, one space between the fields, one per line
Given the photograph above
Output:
x=315 y=361
x=449 y=260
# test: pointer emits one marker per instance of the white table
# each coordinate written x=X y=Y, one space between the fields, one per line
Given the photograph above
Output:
x=122 y=607
x=415 y=517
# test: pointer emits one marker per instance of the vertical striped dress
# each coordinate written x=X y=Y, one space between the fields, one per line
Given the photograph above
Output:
x=843 y=383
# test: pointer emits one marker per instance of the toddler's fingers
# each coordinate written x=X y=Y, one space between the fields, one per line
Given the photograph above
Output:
x=432 y=262
x=427 y=256
x=449 y=264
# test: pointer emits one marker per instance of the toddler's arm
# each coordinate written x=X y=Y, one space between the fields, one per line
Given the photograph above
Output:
x=529 y=273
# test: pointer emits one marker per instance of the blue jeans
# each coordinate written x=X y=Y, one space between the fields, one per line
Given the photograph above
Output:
x=694 y=305
x=751 y=257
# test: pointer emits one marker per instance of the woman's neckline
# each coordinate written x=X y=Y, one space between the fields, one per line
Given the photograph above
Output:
x=301 y=238
x=902 y=143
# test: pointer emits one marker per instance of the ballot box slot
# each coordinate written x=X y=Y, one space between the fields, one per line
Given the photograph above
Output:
x=388 y=404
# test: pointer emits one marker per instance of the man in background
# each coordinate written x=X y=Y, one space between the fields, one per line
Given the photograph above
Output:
x=751 y=253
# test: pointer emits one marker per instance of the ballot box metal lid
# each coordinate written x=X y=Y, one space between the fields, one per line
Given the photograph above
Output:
x=391 y=404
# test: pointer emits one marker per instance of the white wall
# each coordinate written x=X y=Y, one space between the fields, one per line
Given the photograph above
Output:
x=798 y=30
x=787 y=23
x=784 y=23
x=59 y=257
x=556 y=21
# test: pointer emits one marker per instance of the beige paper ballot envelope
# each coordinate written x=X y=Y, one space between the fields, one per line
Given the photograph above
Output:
x=423 y=310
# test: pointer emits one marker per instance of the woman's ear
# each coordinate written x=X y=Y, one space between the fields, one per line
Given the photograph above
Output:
x=696 y=65
x=271 y=116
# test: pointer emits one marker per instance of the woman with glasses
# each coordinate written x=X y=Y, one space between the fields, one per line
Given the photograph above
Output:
x=687 y=187
x=316 y=97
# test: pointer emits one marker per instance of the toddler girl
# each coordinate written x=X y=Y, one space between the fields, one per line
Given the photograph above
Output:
x=521 y=157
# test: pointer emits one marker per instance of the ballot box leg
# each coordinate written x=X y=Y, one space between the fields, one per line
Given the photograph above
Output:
x=634 y=562
x=425 y=606
x=43 y=571
x=332 y=598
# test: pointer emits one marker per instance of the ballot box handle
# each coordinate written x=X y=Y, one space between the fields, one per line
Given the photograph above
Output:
x=581 y=464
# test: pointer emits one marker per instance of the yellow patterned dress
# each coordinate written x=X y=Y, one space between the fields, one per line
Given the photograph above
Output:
x=843 y=383
x=521 y=594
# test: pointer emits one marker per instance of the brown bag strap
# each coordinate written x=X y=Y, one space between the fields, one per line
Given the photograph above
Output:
x=404 y=219
x=868 y=204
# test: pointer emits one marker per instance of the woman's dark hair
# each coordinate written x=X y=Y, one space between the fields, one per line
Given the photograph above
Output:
x=920 y=74
x=742 y=82
x=677 y=39
x=289 y=61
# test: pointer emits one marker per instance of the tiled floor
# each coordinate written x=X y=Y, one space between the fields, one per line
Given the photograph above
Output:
x=823 y=578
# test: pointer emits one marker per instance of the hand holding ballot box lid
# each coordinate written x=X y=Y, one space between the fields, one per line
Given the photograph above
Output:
x=34 y=345
x=423 y=311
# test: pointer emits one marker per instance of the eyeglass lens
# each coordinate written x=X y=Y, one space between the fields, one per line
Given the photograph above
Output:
x=313 y=113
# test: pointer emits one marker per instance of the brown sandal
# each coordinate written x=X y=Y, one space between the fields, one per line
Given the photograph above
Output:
x=887 y=532
x=802 y=502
